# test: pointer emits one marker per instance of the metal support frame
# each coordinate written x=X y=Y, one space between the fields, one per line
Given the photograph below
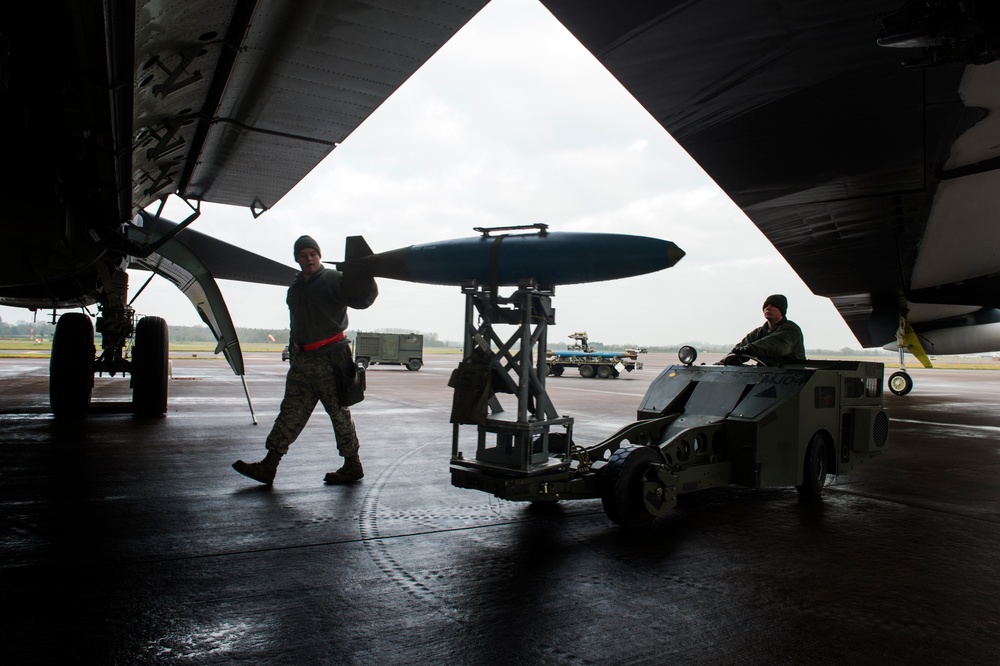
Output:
x=515 y=442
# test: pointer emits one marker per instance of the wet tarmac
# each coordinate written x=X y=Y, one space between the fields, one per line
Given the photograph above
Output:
x=129 y=542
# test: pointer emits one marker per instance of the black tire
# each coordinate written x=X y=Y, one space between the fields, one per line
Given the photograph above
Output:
x=605 y=371
x=814 y=468
x=150 y=365
x=414 y=364
x=621 y=485
x=900 y=383
x=362 y=361
x=71 y=366
x=587 y=370
x=556 y=370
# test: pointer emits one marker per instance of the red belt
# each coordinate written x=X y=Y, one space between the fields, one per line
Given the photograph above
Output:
x=313 y=346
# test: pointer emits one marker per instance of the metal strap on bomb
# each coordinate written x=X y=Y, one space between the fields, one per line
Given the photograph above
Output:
x=495 y=250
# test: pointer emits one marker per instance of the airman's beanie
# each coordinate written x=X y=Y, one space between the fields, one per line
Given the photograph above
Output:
x=306 y=241
x=778 y=301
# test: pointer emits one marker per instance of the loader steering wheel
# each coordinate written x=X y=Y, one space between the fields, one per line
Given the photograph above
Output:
x=741 y=359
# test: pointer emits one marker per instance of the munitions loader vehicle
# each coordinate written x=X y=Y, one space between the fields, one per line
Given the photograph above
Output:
x=697 y=427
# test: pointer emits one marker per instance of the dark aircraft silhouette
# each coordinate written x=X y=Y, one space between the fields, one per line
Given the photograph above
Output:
x=109 y=107
x=859 y=136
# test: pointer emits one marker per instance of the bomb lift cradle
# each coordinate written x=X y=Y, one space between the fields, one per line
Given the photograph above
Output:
x=516 y=445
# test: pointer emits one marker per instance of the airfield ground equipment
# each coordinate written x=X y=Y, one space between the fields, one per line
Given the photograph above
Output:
x=389 y=349
x=697 y=427
x=590 y=362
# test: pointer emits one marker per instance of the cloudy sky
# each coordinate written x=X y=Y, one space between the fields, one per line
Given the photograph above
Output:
x=514 y=122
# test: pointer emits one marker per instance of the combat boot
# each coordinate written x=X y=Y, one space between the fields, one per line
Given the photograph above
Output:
x=262 y=471
x=350 y=472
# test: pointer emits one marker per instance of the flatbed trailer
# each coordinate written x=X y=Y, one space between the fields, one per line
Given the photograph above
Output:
x=590 y=362
x=605 y=365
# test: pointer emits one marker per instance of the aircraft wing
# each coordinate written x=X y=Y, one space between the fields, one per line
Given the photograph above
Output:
x=223 y=260
x=871 y=168
x=125 y=102
x=235 y=102
x=192 y=262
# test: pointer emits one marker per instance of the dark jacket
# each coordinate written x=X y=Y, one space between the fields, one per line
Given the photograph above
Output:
x=317 y=307
x=783 y=344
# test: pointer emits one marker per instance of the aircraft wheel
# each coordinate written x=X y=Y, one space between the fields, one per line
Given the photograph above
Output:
x=900 y=383
x=556 y=370
x=414 y=364
x=71 y=366
x=605 y=371
x=587 y=370
x=622 y=485
x=362 y=361
x=150 y=367
x=814 y=468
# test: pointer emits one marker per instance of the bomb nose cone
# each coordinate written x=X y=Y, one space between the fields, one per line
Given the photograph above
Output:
x=674 y=254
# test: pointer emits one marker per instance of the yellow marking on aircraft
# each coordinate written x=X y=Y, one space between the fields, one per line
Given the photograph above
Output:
x=907 y=337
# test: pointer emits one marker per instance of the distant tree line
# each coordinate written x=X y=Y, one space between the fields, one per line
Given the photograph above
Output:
x=203 y=334
x=430 y=339
x=706 y=347
x=43 y=330
x=24 y=329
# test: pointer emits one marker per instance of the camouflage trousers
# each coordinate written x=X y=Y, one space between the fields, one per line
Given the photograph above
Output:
x=312 y=377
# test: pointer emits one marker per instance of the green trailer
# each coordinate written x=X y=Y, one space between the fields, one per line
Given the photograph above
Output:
x=389 y=349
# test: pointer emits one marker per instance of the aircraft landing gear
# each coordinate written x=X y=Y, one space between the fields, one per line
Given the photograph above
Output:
x=150 y=367
x=900 y=383
x=71 y=366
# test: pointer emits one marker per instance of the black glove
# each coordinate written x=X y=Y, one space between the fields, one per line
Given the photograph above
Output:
x=737 y=356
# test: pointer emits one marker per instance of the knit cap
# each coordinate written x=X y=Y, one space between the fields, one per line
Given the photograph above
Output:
x=306 y=241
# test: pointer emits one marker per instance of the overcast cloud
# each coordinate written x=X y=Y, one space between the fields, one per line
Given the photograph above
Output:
x=514 y=122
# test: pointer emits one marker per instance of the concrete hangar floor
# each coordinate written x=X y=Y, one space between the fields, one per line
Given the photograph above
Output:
x=127 y=541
